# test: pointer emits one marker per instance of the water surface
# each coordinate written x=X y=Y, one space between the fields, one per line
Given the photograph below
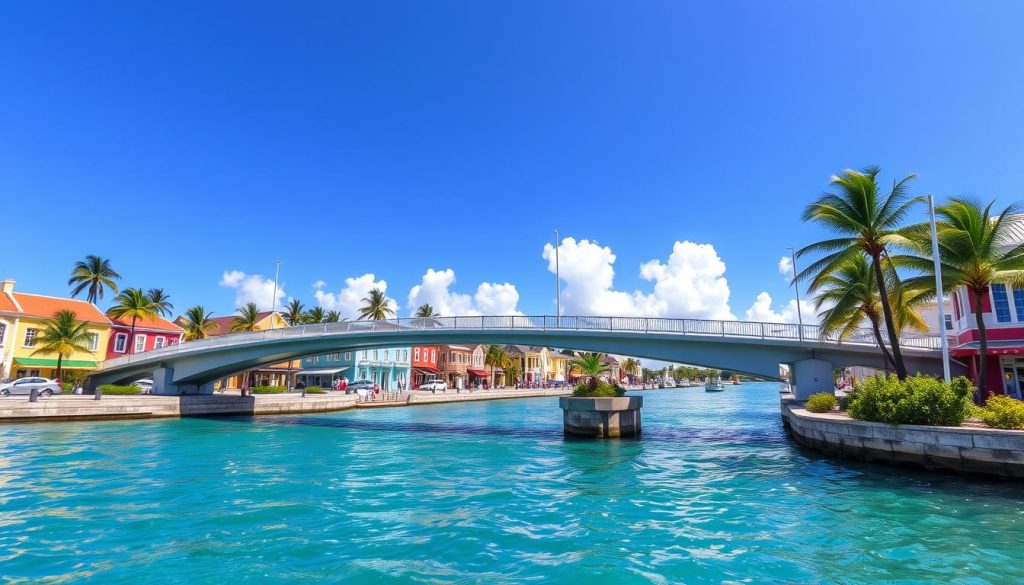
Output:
x=488 y=492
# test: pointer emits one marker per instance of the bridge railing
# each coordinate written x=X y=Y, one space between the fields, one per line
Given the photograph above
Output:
x=640 y=325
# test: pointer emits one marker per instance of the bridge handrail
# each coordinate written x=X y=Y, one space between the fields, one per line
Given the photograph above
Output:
x=660 y=325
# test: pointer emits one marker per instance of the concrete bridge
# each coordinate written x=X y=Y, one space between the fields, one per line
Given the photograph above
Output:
x=747 y=347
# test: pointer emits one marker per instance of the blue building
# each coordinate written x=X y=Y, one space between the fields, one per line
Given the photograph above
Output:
x=387 y=367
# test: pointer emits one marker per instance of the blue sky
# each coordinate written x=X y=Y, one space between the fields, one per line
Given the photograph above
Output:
x=191 y=140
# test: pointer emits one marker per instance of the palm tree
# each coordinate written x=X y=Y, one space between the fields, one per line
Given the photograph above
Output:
x=591 y=365
x=848 y=297
x=294 y=312
x=161 y=301
x=197 y=324
x=132 y=303
x=424 y=310
x=377 y=306
x=314 y=315
x=332 y=317
x=631 y=366
x=248 y=318
x=495 y=358
x=869 y=224
x=96 y=275
x=976 y=251
x=63 y=335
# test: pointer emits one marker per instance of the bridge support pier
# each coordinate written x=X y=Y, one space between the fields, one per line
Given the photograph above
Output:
x=812 y=376
x=163 y=382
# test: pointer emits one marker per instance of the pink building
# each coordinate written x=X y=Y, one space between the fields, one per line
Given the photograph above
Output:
x=149 y=334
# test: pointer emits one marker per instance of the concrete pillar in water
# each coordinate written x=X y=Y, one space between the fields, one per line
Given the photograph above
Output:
x=163 y=382
x=812 y=376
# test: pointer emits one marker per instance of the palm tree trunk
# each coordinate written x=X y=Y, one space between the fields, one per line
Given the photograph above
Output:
x=881 y=343
x=894 y=342
x=131 y=338
x=60 y=366
x=982 y=348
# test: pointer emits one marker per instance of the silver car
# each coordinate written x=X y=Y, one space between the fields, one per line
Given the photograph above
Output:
x=145 y=385
x=24 y=387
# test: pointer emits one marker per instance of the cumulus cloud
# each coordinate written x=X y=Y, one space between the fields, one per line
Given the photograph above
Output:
x=762 y=311
x=691 y=283
x=786 y=267
x=252 y=288
x=348 y=300
x=491 y=298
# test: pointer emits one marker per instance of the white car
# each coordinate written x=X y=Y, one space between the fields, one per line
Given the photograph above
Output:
x=145 y=385
x=24 y=386
x=434 y=384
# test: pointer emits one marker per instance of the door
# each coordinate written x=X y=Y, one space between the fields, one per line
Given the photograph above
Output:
x=1018 y=388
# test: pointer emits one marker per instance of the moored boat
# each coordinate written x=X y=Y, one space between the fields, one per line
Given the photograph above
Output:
x=714 y=385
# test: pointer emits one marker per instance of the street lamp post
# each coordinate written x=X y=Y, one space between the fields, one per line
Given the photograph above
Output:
x=558 y=286
x=939 y=298
x=273 y=302
x=796 y=288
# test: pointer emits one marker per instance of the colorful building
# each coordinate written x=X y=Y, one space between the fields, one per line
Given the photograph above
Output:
x=556 y=365
x=23 y=316
x=454 y=363
x=528 y=359
x=424 y=364
x=149 y=334
x=477 y=371
x=387 y=367
x=1002 y=311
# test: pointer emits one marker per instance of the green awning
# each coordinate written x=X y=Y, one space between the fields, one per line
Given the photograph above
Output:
x=53 y=363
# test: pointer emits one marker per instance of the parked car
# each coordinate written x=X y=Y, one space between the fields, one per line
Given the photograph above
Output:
x=434 y=384
x=24 y=386
x=361 y=385
x=145 y=385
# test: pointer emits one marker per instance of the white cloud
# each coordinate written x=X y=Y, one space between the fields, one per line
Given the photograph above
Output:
x=348 y=300
x=491 y=298
x=691 y=283
x=786 y=267
x=252 y=288
x=762 y=311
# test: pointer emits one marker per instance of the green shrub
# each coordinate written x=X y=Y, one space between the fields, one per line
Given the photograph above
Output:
x=821 y=402
x=918 y=400
x=847 y=399
x=315 y=390
x=602 y=388
x=71 y=379
x=115 y=390
x=269 y=390
x=1003 y=412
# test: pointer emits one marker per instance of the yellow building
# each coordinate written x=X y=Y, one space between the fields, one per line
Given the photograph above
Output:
x=555 y=365
x=272 y=375
x=23 y=316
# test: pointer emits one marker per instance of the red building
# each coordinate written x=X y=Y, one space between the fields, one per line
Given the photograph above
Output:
x=1002 y=310
x=424 y=363
x=149 y=334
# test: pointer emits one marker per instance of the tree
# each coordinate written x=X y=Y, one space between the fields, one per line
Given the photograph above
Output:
x=161 y=301
x=132 y=303
x=868 y=224
x=247 y=319
x=976 y=251
x=848 y=297
x=197 y=324
x=377 y=306
x=631 y=366
x=314 y=315
x=424 y=310
x=590 y=365
x=495 y=358
x=294 y=312
x=95 y=275
x=332 y=317
x=63 y=335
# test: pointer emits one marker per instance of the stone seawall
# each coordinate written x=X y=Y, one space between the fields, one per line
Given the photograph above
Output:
x=968 y=450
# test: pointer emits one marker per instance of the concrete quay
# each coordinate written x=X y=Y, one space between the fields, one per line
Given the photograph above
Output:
x=970 y=450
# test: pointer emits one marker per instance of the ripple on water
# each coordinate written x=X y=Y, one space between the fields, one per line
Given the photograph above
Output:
x=714 y=492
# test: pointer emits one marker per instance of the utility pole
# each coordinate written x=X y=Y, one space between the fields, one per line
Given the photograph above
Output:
x=558 y=285
x=796 y=288
x=939 y=297
x=273 y=302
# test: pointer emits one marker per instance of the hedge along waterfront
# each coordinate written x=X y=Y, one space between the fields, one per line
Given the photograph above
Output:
x=269 y=390
x=918 y=400
x=115 y=390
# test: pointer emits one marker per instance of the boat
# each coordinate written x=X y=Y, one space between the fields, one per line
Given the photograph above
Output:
x=714 y=385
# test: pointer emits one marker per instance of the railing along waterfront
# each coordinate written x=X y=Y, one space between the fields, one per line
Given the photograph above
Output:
x=638 y=325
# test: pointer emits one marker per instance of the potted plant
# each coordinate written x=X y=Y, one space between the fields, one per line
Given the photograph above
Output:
x=598 y=408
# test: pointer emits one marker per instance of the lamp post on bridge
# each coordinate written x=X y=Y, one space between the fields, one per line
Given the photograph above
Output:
x=796 y=288
x=273 y=301
x=558 y=286
x=939 y=298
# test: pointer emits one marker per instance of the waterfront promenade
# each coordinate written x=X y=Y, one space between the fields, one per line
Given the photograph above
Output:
x=77 y=407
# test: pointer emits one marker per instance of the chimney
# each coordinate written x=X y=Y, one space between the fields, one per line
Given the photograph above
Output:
x=7 y=285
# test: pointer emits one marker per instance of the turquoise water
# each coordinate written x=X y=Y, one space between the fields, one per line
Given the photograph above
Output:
x=486 y=493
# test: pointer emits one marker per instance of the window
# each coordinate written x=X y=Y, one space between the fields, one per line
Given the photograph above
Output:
x=94 y=341
x=30 y=337
x=140 y=343
x=348 y=355
x=949 y=321
x=158 y=342
x=120 y=342
x=405 y=355
x=376 y=355
x=1002 y=304
x=416 y=354
x=433 y=356
x=1018 y=302
x=3 y=333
